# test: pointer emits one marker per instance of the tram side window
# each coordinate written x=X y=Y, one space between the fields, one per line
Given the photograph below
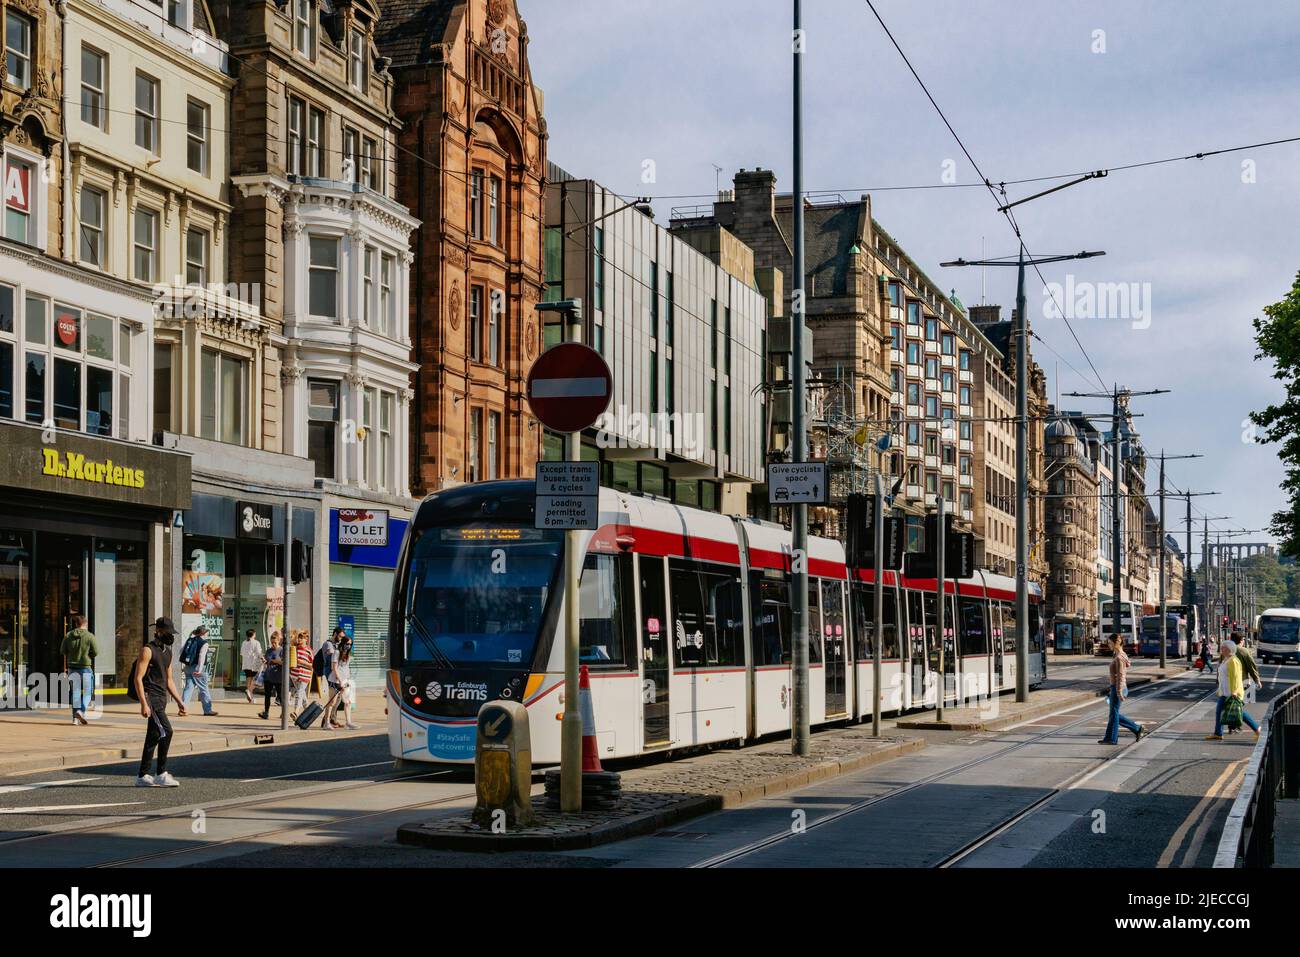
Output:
x=605 y=603
x=708 y=624
x=973 y=633
x=1009 y=629
x=1035 y=629
x=864 y=610
x=814 y=622
x=771 y=619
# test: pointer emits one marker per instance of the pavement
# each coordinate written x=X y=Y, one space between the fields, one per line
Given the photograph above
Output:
x=33 y=740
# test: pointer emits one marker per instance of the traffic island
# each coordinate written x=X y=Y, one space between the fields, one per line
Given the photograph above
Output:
x=664 y=794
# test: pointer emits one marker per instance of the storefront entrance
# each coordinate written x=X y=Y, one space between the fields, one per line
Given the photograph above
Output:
x=47 y=576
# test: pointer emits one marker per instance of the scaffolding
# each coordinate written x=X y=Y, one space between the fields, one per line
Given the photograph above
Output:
x=846 y=438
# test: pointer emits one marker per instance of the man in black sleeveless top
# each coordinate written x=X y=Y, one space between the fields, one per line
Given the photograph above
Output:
x=153 y=685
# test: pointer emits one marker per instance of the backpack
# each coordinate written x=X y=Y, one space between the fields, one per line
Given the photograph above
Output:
x=319 y=663
x=1232 y=710
x=190 y=653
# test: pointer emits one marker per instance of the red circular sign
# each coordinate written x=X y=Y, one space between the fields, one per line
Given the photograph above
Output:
x=569 y=387
x=65 y=324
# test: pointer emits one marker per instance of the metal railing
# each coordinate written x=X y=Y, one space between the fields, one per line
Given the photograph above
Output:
x=1274 y=771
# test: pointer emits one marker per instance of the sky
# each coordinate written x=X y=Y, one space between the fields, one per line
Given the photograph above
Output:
x=1033 y=89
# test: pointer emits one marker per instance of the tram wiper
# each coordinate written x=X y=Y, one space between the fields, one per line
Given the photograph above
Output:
x=432 y=646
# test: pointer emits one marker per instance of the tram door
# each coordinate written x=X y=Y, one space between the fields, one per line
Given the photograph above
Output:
x=916 y=646
x=949 y=649
x=835 y=647
x=995 y=643
x=655 y=664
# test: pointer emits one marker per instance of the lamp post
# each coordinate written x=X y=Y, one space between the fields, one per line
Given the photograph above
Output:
x=1021 y=341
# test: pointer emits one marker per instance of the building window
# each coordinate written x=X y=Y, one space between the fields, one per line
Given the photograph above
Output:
x=357 y=60
x=932 y=330
x=91 y=233
x=494 y=211
x=495 y=306
x=386 y=468
x=364 y=468
x=913 y=353
x=304 y=27
x=598 y=269
x=323 y=277
x=476 y=204
x=315 y=165
x=93 y=81
x=553 y=280
x=163 y=385
x=223 y=405
x=370 y=177
x=493 y=445
x=19 y=178
x=146 y=112
x=472 y=453
x=368 y=286
x=196 y=136
x=196 y=256
x=18 y=49
x=145 y=245
x=352 y=155
x=322 y=425
x=964 y=361
x=387 y=304
x=948 y=344
x=476 y=323
x=297 y=128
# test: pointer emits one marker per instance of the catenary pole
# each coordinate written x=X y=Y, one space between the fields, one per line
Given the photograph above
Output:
x=800 y=731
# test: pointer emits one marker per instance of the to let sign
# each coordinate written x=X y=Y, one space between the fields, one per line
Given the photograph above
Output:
x=363 y=527
x=797 y=483
x=569 y=387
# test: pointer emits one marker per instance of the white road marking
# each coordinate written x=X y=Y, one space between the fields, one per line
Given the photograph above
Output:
x=15 y=788
x=299 y=774
x=63 y=807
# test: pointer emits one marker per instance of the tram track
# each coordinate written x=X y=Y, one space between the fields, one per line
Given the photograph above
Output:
x=1004 y=825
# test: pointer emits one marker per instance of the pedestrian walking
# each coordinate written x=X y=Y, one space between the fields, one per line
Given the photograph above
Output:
x=300 y=668
x=154 y=684
x=194 y=663
x=326 y=656
x=1251 y=678
x=252 y=659
x=1230 y=687
x=1119 y=663
x=79 y=652
x=273 y=675
x=341 y=679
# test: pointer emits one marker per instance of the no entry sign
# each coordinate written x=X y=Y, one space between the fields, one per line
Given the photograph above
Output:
x=569 y=387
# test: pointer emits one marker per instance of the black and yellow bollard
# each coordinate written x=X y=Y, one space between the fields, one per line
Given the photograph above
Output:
x=503 y=767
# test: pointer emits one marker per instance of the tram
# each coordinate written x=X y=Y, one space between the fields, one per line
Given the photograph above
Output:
x=685 y=626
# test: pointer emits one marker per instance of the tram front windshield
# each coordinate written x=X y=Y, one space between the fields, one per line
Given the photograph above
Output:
x=477 y=596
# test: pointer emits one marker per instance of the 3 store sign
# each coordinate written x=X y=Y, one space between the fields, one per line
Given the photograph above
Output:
x=18 y=182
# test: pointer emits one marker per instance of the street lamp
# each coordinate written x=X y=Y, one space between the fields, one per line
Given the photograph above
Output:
x=1021 y=339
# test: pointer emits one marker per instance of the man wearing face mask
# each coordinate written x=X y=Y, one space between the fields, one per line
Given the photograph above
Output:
x=153 y=685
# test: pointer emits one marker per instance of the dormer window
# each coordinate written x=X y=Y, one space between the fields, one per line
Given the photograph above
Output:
x=357 y=67
x=304 y=27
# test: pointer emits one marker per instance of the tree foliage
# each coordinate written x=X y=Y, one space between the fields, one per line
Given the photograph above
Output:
x=1278 y=338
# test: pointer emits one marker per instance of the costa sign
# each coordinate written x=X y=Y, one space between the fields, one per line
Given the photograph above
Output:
x=65 y=327
x=569 y=387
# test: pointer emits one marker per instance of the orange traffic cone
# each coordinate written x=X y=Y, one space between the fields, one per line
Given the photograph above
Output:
x=590 y=756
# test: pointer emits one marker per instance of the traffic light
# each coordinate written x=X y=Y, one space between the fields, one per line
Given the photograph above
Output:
x=860 y=535
x=958 y=556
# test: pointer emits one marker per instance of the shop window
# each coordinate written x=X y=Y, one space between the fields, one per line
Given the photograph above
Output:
x=322 y=425
x=707 y=627
x=163 y=353
x=6 y=379
x=67 y=394
x=605 y=608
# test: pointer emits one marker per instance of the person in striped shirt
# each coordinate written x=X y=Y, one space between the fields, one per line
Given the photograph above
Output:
x=300 y=672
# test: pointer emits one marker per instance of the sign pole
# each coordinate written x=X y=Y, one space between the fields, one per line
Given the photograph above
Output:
x=941 y=551
x=571 y=727
x=284 y=632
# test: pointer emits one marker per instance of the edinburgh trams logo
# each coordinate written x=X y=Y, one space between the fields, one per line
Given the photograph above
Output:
x=460 y=691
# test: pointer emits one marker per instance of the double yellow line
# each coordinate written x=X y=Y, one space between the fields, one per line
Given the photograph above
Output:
x=1225 y=782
